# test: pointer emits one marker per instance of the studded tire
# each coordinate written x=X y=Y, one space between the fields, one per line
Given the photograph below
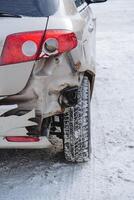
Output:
x=77 y=144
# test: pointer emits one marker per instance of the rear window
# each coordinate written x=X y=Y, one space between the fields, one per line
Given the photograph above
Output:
x=32 y=8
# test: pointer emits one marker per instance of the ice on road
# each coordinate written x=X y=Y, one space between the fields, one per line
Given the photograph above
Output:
x=43 y=174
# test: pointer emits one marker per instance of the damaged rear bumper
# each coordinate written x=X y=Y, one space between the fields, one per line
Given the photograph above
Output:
x=42 y=143
x=15 y=126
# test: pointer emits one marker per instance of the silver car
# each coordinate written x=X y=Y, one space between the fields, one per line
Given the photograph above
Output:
x=47 y=72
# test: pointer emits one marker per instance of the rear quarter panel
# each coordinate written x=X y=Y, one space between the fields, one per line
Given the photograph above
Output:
x=81 y=21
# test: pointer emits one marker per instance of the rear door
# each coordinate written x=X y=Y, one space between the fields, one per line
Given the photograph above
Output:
x=18 y=17
x=88 y=33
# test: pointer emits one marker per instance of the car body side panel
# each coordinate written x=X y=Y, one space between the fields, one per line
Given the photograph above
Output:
x=88 y=39
x=83 y=23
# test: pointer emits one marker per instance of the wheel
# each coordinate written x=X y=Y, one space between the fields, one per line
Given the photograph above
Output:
x=77 y=145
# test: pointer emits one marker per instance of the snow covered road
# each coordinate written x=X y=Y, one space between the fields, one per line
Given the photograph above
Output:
x=43 y=174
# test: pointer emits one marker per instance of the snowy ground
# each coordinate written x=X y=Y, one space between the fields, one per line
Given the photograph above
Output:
x=44 y=175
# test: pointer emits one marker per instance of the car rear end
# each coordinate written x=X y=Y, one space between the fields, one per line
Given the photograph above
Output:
x=41 y=65
x=32 y=73
x=23 y=26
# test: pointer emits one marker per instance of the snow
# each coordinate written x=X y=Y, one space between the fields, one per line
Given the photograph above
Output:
x=43 y=174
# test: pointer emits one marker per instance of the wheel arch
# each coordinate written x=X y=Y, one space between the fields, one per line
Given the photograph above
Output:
x=91 y=78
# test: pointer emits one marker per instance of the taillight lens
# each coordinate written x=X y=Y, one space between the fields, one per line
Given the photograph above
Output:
x=28 y=46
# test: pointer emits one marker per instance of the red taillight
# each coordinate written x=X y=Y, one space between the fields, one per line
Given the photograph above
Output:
x=28 y=46
x=22 y=139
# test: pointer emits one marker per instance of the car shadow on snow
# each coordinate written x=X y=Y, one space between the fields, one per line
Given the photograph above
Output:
x=16 y=161
x=21 y=171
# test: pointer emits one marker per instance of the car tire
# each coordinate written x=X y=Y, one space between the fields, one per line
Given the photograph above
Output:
x=77 y=144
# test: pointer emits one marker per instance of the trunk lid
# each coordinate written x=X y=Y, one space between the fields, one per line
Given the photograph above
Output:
x=18 y=16
x=14 y=77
